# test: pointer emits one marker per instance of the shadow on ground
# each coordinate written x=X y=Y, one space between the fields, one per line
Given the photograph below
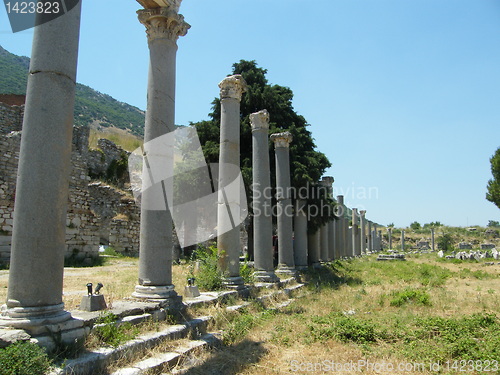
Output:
x=227 y=360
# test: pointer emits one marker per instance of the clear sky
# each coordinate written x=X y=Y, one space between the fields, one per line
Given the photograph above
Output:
x=403 y=96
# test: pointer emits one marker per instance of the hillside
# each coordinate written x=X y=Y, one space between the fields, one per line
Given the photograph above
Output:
x=91 y=106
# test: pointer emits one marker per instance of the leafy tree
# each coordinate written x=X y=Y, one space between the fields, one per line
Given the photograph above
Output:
x=307 y=165
x=433 y=224
x=415 y=225
x=445 y=242
x=493 y=188
x=493 y=223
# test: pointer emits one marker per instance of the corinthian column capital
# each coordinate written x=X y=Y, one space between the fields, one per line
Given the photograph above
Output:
x=164 y=22
x=281 y=139
x=260 y=120
x=232 y=87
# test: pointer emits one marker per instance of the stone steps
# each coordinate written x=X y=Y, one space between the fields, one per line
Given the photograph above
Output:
x=93 y=361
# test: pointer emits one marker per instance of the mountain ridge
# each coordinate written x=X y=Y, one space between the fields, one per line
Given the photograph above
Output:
x=92 y=108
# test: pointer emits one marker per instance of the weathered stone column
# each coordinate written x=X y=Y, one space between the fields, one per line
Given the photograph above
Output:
x=349 y=242
x=389 y=235
x=362 y=225
x=313 y=241
x=375 y=239
x=34 y=298
x=380 y=240
x=261 y=190
x=370 y=237
x=163 y=27
x=228 y=243
x=324 y=242
x=339 y=228
x=355 y=232
x=402 y=240
x=300 y=235
x=286 y=262
x=432 y=239
x=330 y=255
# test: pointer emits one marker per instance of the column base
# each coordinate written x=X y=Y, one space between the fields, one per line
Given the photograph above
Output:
x=235 y=282
x=30 y=318
x=266 y=277
x=50 y=326
x=301 y=268
x=286 y=270
x=154 y=292
x=316 y=265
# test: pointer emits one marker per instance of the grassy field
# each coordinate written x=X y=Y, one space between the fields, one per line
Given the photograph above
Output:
x=420 y=316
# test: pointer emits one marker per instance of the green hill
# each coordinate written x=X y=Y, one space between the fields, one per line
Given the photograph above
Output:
x=91 y=106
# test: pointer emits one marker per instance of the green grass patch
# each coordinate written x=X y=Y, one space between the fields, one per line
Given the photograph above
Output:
x=410 y=296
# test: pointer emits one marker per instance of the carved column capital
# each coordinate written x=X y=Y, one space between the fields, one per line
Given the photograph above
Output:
x=362 y=213
x=281 y=139
x=151 y=4
x=327 y=181
x=232 y=87
x=164 y=22
x=260 y=120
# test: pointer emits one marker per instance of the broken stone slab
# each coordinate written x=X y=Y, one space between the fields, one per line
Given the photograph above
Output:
x=10 y=336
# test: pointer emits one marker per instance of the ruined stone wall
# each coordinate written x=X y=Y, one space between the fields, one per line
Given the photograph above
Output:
x=97 y=213
x=11 y=118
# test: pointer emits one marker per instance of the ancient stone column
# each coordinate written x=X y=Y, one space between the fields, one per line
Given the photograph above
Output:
x=370 y=237
x=349 y=242
x=362 y=227
x=355 y=232
x=380 y=240
x=228 y=243
x=375 y=239
x=34 y=298
x=339 y=228
x=389 y=234
x=324 y=242
x=163 y=27
x=286 y=262
x=402 y=240
x=432 y=239
x=313 y=241
x=300 y=235
x=328 y=181
x=261 y=190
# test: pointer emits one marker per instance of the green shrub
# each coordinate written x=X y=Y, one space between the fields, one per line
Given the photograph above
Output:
x=410 y=295
x=24 y=358
x=108 y=332
x=343 y=328
x=208 y=276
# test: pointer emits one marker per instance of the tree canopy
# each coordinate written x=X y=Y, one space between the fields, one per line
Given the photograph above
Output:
x=307 y=165
x=493 y=188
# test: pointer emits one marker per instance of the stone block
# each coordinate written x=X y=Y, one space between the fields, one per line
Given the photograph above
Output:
x=191 y=291
x=10 y=336
x=93 y=303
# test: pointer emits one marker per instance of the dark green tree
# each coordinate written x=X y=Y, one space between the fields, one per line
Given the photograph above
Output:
x=307 y=165
x=493 y=189
x=415 y=225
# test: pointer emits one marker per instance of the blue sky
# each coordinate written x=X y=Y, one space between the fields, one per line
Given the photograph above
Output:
x=402 y=95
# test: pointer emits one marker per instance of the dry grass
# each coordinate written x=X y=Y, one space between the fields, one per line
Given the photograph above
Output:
x=119 y=276
x=127 y=141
